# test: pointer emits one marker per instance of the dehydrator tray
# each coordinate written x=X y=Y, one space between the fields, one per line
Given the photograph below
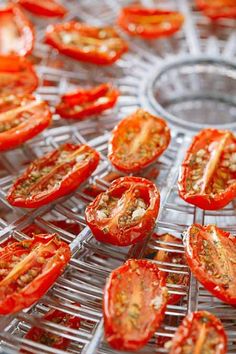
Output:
x=190 y=79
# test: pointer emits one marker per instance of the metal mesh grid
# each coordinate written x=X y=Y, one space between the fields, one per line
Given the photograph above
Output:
x=92 y=261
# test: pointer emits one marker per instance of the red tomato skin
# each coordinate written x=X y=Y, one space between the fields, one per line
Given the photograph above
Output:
x=67 y=186
x=24 y=298
x=85 y=95
x=38 y=8
x=27 y=130
x=199 y=272
x=114 y=338
x=216 y=12
x=127 y=12
x=203 y=201
x=125 y=237
x=182 y=333
x=25 y=27
x=92 y=57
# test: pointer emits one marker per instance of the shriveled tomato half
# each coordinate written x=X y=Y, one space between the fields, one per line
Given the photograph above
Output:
x=98 y=45
x=216 y=9
x=83 y=103
x=134 y=303
x=54 y=175
x=211 y=254
x=125 y=213
x=47 y=8
x=28 y=270
x=200 y=332
x=50 y=339
x=137 y=141
x=169 y=253
x=17 y=76
x=21 y=118
x=16 y=32
x=149 y=23
x=208 y=176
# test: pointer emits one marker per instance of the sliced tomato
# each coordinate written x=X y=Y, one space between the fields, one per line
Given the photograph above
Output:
x=16 y=32
x=98 y=45
x=54 y=175
x=134 y=304
x=150 y=23
x=7 y=242
x=21 y=119
x=125 y=213
x=173 y=255
x=208 y=176
x=50 y=339
x=28 y=269
x=83 y=103
x=200 y=332
x=137 y=141
x=216 y=9
x=17 y=76
x=47 y=8
x=211 y=254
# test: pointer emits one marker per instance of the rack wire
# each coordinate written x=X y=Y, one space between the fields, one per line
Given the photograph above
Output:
x=146 y=78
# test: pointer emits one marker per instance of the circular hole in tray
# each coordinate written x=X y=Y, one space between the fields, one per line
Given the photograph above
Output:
x=195 y=93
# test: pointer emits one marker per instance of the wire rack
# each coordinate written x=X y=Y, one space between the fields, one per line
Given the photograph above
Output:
x=191 y=80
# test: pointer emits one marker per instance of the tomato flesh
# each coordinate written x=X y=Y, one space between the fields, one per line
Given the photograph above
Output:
x=56 y=174
x=208 y=176
x=150 y=23
x=217 y=9
x=98 y=45
x=47 y=8
x=210 y=253
x=126 y=213
x=137 y=141
x=86 y=102
x=134 y=303
x=200 y=332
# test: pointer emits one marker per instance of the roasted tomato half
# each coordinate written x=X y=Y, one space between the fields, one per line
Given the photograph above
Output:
x=216 y=9
x=21 y=118
x=150 y=23
x=170 y=251
x=208 y=176
x=137 y=141
x=47 y=8
x=54 y=175
x=28 y=269
x=211 y=254
x=200 y=332
x=98 y=45
x=17 y=76
x=50 y=339
x=125 y=213
x=82 y=103
x=134 y=303
x=16 y=32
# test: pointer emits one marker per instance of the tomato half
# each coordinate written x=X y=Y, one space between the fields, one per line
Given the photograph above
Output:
x=150 y=23
x=210 y=253
x=98 y=45
x=137 y=141
x=134 y=304
x=216 y=9
x=47 y=8
x=200 y=332
x=82 y=103
x=16 y=32
x=208 y=176
x=28 y=269
x=50 y=339
x=21 y=119
x=17 y=76
x=125 y=213
x=54 y=175
x=171 y=256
